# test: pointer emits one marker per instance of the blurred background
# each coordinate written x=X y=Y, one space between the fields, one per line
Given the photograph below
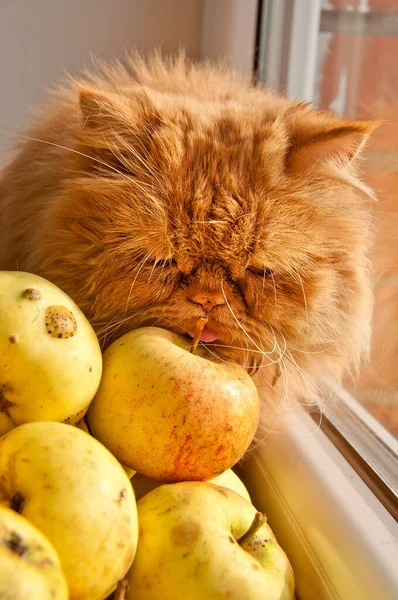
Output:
x=338 y=54
x=41 y=39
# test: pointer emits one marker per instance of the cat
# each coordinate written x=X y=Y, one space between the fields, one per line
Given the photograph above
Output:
x=157 y=190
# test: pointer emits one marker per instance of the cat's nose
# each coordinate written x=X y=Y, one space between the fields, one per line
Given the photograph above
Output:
x=208 y=300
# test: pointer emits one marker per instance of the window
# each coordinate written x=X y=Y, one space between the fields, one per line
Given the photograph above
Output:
x=333 y=499
x=342 y=55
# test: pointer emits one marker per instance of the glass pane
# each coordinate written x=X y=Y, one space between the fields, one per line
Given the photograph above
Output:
x=357 y=77
x=342 y=55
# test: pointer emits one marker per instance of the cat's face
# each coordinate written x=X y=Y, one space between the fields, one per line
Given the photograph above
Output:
x=226 y=212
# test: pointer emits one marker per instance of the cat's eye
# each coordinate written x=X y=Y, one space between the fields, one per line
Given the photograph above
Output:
x=261 y=271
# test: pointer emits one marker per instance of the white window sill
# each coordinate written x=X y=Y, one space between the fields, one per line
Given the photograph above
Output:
x=342 y=542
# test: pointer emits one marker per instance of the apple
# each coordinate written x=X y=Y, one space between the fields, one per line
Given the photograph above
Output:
x=83 y=426
x=76 y=493
x=6 y=423
x=143 y=485
x=29 y=566
x=170 y=414
x=130 y=472
x=199 y=540
x=50 y=358
x=230 y=480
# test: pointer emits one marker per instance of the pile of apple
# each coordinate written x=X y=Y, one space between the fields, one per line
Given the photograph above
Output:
x=137 y=500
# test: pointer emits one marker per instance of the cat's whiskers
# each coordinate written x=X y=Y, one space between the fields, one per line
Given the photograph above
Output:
x=210 y=351
x=106 y=324
x=138 y=269
x=140 y=185
x=161 y=319
x=114 y=324
x=247 y=354
x=132 y=150
x=251 y=350
x=298 y=278
x=33 y=139
x=222 y=359
x=319 y=403
x=156 y=262
x=99 y=332
x=312 y=353
x=283 y=397
x=241 y=326
x=283 y=362
x=117 y=320
x=167 y=320
x=277 y=345
x=274 y=285
x=109 y=330
x=319 y=397
x=209 y=222
x=247 y=351
x=93 y=158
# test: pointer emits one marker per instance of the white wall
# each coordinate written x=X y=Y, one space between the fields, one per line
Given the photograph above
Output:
x=41 y=38
x=229 y=30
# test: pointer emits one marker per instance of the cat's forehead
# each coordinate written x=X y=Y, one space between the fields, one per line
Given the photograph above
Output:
x=213 y=178
x=218 y=228
x=216 y=188
x=212 y=243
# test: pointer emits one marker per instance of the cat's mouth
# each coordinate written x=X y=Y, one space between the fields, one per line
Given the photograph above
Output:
x=207 y=335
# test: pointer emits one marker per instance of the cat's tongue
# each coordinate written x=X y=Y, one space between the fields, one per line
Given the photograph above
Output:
x=206 y=336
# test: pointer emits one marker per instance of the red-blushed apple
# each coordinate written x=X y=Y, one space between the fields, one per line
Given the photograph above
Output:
x=204 y=542
x=170 y=414
x=129 y=472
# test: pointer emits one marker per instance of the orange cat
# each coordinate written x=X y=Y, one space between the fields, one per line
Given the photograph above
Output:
x=158 y=191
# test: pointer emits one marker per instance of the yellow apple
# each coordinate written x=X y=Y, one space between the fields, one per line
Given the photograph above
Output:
x=50 y=358
x=77 y=494
x=170 y=414
x=83 y=426
x=230 y=480
x=199 y=540
x=6 y=424
x=142 y=485
x=129 y=472
x=29 y=566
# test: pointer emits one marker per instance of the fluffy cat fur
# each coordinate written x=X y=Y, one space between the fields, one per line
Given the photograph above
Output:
x=144 y=186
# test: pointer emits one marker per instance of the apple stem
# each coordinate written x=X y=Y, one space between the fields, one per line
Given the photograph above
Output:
x=258 y=521
x=120 y=593
x=198 y=331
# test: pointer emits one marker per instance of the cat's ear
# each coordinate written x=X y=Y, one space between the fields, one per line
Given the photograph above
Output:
x=95 y=106
x=115 y=118
x=102 y=118
x=101 y=112
x=340 y=144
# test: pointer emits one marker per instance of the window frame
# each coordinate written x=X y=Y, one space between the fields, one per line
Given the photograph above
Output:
x=368 y=447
